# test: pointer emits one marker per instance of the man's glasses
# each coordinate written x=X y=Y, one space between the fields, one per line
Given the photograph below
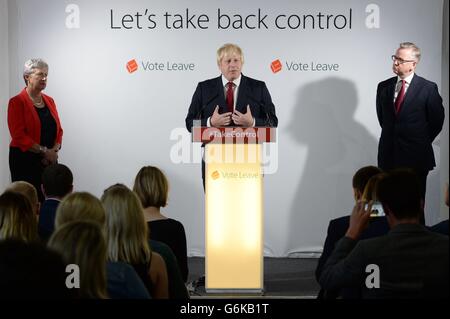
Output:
x=400 y=60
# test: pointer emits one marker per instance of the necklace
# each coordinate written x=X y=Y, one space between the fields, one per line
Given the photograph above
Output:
x=37 y=102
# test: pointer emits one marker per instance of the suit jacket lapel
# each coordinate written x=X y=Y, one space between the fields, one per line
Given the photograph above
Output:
x=30 y=106
x=241 y=103
x=391 y=94
x=219 y=90
x=411 y=93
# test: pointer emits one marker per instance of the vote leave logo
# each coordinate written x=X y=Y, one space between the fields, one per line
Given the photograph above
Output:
x=276 y=66
x=215 y=175
x=132 y=66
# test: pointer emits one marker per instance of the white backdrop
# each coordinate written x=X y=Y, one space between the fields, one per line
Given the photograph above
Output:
x=115 y=122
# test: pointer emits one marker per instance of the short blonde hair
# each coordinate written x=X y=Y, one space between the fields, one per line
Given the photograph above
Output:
x=80 y=206
x=151 y=186
x=228 y=49
x=17 y=218
x=126 y=230
x=26 y=189
x=83 y=243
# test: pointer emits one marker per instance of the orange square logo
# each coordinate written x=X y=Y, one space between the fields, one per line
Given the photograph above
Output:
x=276 y=66
x=132 y=66
x=215 y=175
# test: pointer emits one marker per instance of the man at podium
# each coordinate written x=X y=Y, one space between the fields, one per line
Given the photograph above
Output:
x=231 y=99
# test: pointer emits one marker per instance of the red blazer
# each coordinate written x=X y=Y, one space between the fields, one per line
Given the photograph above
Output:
x=24 y=124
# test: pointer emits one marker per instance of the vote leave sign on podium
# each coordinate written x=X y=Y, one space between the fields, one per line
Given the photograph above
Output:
x=234 y=209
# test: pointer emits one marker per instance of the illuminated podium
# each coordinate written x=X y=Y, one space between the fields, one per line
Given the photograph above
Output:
x=234 y=209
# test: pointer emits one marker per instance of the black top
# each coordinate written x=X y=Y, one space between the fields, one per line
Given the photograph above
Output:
x=143 y=271
x=171 y=232
x=48 y=127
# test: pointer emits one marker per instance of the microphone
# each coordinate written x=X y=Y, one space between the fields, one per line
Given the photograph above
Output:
x=198 y=115
x=263 y=107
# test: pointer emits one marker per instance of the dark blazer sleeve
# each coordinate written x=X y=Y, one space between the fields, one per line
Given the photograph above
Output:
x=379 y=106
x=345 y=267
x=435 y=112
x=267 y=117
x=195 y=109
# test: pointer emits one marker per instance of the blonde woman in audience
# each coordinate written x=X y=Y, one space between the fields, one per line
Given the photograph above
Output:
x=80 y=206
x=127 y=239
x=82 y=243
x=152 y=188
x=29 y=191
x=17 y=218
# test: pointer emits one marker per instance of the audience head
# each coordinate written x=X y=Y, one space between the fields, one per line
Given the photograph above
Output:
x=82 y=243
x=399 y=193
x=370 y=191
x=29 y=191
x=17 y=218
x=80 y=206
x=31 y=271
x=152 y=187
x=361 y=178
x=57 y=181
x=126 y=229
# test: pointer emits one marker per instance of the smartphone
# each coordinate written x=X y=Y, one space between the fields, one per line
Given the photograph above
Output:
x=377 y=210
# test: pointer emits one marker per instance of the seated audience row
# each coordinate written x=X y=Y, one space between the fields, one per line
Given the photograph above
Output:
x=410 y=261
x=133 y=267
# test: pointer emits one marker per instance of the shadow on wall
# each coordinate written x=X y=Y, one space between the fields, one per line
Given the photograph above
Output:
x=337 y=146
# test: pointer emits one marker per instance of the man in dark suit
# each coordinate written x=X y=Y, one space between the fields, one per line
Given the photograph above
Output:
x=409 y=262
x=411 y=115
x=338 y=227
x=57 y=182
x=232 y=99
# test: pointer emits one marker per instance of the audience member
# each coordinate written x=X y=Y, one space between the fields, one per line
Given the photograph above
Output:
x=412 y=261
x=17 y=218
x=29 y=191
x=127 y=238
x=82 y=243
x=80 y=206
x=57 y=182
x=152 y=188
x=177 y=287
x=124 y=282
x=337 y=227
x=31 y=271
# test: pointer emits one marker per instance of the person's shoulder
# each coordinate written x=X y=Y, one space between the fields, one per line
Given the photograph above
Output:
x=387 y=82
x=18 y=98
x=175 y=222
x=344 y=220
x=424 y=82
x=209 y=82
x=252 y=82
x=119 y=267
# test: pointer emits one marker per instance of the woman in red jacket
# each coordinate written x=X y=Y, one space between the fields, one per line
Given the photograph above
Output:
x=34 y=126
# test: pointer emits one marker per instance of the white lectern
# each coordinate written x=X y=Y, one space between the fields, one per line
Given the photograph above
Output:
x=234 y=207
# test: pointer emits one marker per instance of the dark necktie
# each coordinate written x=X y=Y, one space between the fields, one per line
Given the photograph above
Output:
x=230 y=97
x=400 y=97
